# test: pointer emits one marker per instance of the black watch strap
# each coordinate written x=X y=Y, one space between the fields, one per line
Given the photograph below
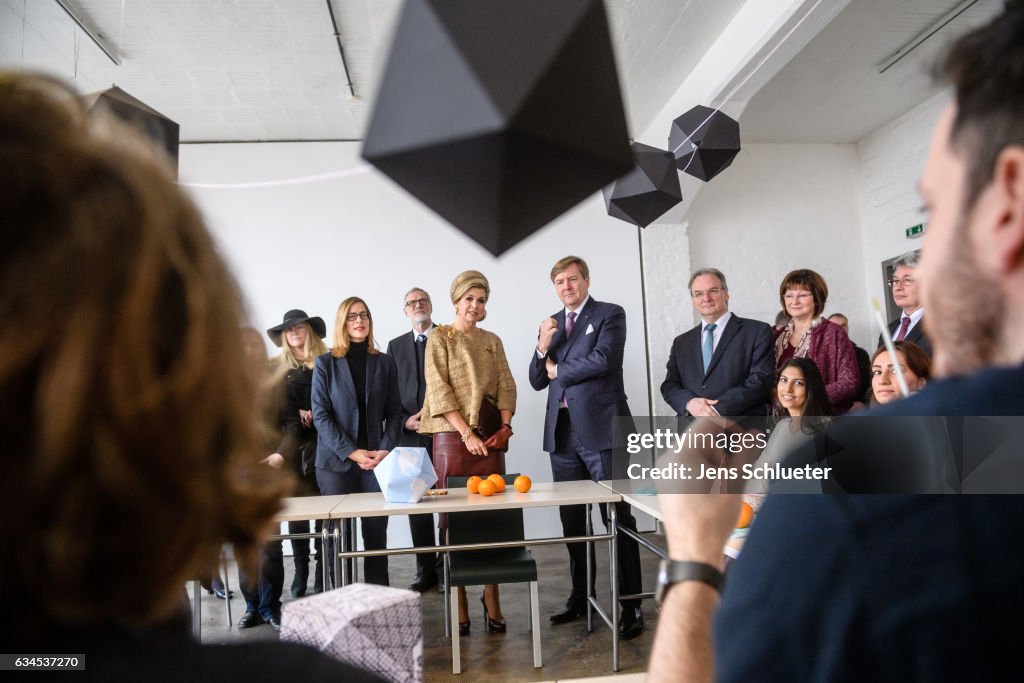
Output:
x=671 y=572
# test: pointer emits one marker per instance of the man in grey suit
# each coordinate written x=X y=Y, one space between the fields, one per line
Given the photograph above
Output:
x=408 y=351
x=578 y=359
x=910 y=325
x=724 y=365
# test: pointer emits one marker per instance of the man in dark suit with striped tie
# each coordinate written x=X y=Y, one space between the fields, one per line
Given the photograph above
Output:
x=408 y=351
x=578 y=359
x=910 y=325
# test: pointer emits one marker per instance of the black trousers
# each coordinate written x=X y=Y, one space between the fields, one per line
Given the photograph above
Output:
x=301 y=548
x=374 y=529
x=422 y=527
x=570 y=461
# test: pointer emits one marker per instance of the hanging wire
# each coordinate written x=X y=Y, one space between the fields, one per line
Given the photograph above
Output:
x=120 y=33
x=747 y=78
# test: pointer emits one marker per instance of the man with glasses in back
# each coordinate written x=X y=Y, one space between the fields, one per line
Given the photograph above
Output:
x=909 y=326
x=408 y=351
x=724 y=365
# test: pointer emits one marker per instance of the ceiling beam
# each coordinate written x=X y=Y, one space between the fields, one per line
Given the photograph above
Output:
x=108 y=49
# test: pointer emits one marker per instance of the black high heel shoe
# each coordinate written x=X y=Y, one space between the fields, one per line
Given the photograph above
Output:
x=463 y=625
x=493 y=625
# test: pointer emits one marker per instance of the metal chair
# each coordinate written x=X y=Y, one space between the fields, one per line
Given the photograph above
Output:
x=497 y=565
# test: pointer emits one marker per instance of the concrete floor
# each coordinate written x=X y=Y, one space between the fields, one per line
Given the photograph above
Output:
x=568 y=650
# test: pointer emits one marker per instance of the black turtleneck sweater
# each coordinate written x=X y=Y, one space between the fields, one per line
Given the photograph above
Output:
x=356 y=357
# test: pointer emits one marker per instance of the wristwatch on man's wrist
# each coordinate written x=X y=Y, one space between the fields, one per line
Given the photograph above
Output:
x=676 y=571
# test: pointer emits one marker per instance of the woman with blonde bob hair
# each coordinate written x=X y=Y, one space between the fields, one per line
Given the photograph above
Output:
x=131 y=433
x=355 y=392
x=467 y=375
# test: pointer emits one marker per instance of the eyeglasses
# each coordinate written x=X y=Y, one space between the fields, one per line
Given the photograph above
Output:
x=361 y=315
x=906 y=282
x=796 y=296
x=413 y=303
x=713 y=292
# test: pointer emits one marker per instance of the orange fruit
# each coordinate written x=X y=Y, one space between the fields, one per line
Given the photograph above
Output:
x=472 y=484
x=522 y=483
x=746 y=516
x=498 y=481
x=486 y=488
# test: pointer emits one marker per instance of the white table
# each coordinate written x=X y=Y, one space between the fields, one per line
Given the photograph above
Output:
x=544 y=494
x=641 y=496
x=297 y=509
x=309 y=509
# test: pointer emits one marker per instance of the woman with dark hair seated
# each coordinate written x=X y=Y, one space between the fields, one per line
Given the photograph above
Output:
x=802 y=408
x=913 y=363
x=130 y=428
x=803 y=293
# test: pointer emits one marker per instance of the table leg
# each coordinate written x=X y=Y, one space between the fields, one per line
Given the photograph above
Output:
x=590 y=568
x=447 y=610
x=341 y=541
x=613 y=549
x=197 y=610
x=353 y=544
x=325 y=564
x=453 y=607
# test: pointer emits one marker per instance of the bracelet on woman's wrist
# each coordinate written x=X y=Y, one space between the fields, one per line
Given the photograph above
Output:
x=466 y=434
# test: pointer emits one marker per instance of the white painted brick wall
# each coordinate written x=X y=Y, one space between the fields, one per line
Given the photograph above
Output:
x=666 y=271
x=778 y=208
x=891 y=160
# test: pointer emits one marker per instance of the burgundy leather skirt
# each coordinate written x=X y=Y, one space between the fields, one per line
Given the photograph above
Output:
x=452 y=459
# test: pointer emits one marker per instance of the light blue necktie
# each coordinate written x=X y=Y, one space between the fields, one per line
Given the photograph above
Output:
x=709 y=345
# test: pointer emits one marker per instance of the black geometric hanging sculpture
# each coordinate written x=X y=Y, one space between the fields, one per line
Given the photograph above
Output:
x=709 y=141
x=641 y=196
x=153 y=125
x=498 y=115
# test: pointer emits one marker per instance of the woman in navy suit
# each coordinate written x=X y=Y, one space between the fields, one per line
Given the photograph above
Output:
x=357 y=411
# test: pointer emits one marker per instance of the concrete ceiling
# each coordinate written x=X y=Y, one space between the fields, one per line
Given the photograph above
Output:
x=228 y=70
x=832 y=90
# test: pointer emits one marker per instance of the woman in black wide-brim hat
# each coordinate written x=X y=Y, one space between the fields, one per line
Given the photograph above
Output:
x=301 y=340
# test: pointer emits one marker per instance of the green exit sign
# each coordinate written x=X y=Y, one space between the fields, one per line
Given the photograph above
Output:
x=915 y=232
